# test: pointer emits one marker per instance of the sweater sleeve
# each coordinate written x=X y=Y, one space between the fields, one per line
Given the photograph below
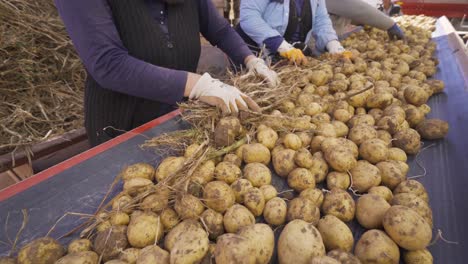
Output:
x=96 y=39
x=360 y=12
x=219 y=33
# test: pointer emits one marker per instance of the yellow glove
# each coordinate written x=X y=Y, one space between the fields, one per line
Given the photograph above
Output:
x=294 y=55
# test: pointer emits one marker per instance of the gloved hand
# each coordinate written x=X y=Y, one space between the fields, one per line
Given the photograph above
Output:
x=395 y=32
x=294 y=55
x=258 y=66
x=228 y=98
x=334 y=47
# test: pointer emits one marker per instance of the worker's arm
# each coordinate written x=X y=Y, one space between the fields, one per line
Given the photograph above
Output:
x=252 y=22
x=92 y=30
x=322 y=30
x=360 y=12
x=96 y=39
x=219 y=33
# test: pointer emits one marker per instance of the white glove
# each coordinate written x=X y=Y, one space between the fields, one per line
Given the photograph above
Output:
x=284 y=47
x=216 y=93
x=334 y=47
x=258 y=65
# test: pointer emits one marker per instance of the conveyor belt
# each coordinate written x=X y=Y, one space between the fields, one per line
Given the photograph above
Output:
x=78 y=185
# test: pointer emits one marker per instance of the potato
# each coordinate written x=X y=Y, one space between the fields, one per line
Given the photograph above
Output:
x=341 y=128
x=204 y=173
x=391 y=174
x=79 y=245
x=144 y=229
x=188 y=206
x=365 y=176
x=218 y=196
x=414 y=187
x=8 y=260
x=110 y=242
x=315 y=144
x=42 y=251
x=373 y=150
x=103 y=226
x=269 y=192
x=433 y=129
x=138 y=170
x=361 y=120
x=258 y=174
x=397 y=154
x=385 y=136
x=169 y=218
x=300 y=179
x=254 y=201
x=261 y=240
x=361 y=111
x=319 y=167
x=342 y=115
x=283 y=162
x=437 y=86
x=153 y=254
x=267 y=137
x=275 y=211
x=376 y=113
x=234 y=248
x=414 y=115
x=256 y=152
x=119 y=218
x=425 y=109
x=338 y=180
x=318 y=78
x=361 y=133
x=227 y=171
x=115 y=261
x=341 y=144
x=156 y=201
x=226 y=131
x=408 y=140
x=78 y=257
x=306 y=138
x=239 y=151
x=313 y=109
x=343 y=257
x=324 y=260
x=326 y=130
x=168 y=167
x=390 y=124
x=383 y=192
x=314 y=195
x=240 y=187
x=304 y=209
x=335 y=233
x=299 y=242
x=136 y=185
x=287 y=106
x=370 y=210
x=191 y=150
x=236 y=217
x=187 y=226
x=340 y=159
x=422 y=256
x=415 y=95
x=130 y=255
x=292 y=141
x=190 y=247
x=375 y=246
x=380 y=100
x=233 y=159
x=414 y=202
x=340 y=204
x=409 y=230
x=303 y=158
x=121 y=203
x=213 y=221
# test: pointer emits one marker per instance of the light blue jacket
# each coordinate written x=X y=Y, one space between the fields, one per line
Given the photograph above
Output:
x=263 y=19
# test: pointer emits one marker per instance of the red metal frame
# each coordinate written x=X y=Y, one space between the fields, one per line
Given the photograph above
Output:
x=44 y=175
x=434 y=9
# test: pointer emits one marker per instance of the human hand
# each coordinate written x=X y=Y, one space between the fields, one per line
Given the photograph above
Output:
x=258 y=66
x=395 y=32
x=294 y=55
x=226 y=97
x=334 y=47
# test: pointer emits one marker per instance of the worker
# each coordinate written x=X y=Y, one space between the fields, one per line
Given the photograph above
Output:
x=141 y=56
x=390 y=9
x=289 y=28
x=360 y=12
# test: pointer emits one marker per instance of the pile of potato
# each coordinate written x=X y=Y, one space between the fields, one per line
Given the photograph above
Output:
x=355 y=147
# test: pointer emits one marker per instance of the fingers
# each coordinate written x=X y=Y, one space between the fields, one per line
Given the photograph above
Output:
x=251 y=104
x=218 y=102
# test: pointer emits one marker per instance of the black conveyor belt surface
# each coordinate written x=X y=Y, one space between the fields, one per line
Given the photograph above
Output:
x=81 y=187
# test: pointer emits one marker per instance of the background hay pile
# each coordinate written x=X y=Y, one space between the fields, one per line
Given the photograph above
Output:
x=41 y=77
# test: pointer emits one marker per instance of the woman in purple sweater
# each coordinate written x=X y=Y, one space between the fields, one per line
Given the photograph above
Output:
x=141 y=56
